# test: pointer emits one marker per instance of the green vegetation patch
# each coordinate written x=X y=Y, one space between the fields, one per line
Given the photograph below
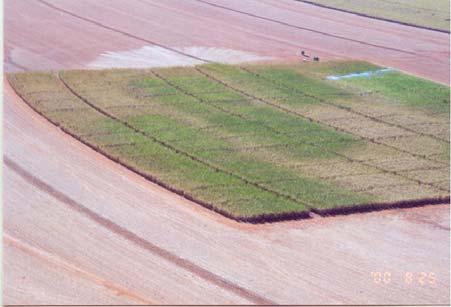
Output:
x=393 y=87
x=408 y=90
x=426 y=13
x=244 y=141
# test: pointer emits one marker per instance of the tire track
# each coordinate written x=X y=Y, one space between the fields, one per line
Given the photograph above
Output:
x=375 y=17
x=130 y=35
x=208 y=61
x=127 y=34
x=306 y=29
x=134 y=238
x=57 y=261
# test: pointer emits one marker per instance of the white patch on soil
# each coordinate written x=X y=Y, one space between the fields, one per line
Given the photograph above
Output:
x=365 y=74
x=20 y=57
x=154 y=56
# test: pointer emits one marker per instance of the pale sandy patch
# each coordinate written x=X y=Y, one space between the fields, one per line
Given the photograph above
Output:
x=154 y=56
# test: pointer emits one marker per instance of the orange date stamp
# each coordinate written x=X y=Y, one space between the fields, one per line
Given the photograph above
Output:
x=409 y=278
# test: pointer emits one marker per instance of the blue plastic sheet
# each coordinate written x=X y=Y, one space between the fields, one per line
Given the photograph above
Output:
x=365 y=74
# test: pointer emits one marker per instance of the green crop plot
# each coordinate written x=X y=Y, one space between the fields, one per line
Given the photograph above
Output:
x=259 y=140
x=432 y=14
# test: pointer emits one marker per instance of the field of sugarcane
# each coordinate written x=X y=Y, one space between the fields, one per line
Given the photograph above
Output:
x=261 y=143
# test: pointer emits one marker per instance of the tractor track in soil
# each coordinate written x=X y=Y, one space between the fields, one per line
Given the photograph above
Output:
x=302 y=258
x=374 y=17
x=130 y=236
x=264 y=218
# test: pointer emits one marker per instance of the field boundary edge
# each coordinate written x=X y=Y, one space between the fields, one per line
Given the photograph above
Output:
x=403 y=23
x=256 y=219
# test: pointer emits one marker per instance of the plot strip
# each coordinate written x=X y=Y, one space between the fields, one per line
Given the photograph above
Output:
x=289 y=111
x=182 y=152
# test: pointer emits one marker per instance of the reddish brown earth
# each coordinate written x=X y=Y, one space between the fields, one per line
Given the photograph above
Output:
x=41 y=37
x=79 y=229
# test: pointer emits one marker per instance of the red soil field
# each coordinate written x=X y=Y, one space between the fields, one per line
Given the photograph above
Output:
x=80 y=229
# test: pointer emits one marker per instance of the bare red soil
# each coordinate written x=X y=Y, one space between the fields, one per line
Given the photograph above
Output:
x=72 y=33
x=80 y=229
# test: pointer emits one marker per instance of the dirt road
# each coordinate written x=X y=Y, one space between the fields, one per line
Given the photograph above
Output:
x=80 y=229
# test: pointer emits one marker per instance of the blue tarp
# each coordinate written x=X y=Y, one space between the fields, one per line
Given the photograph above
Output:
x=365 y=74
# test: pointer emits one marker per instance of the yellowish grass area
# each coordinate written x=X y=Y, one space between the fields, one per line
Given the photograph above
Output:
x=257 y=140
